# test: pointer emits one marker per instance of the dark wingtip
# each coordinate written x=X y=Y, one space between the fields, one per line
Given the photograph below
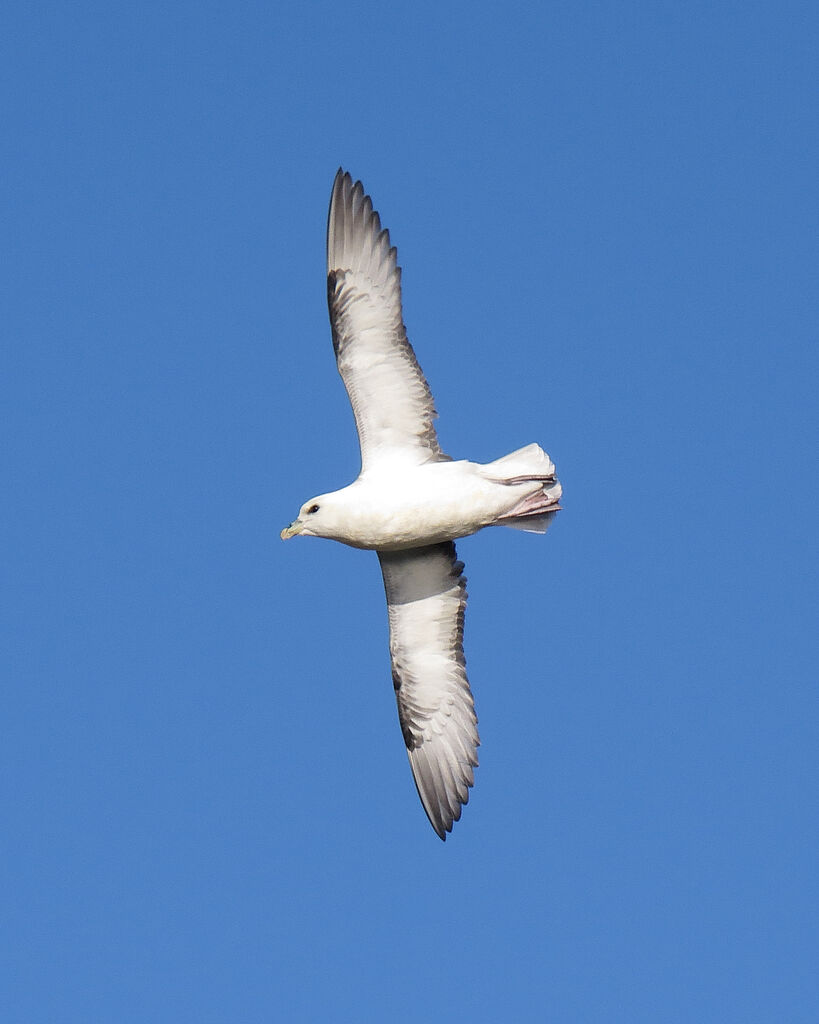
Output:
x=439 y=828
x=338 y=182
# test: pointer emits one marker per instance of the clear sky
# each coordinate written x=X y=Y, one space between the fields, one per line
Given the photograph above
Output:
x=607 y=218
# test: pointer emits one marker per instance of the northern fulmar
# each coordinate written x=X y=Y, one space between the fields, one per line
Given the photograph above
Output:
x=411 y=501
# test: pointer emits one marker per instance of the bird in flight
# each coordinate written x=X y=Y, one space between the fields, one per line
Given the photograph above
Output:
x=411 y=501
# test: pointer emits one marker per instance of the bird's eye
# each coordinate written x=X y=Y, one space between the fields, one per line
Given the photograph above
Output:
x=312 y=509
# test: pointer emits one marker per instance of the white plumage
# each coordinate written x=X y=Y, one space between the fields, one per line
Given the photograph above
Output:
x=411 y=501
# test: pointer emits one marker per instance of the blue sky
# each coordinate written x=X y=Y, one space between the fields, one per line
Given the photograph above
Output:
x=607 y=220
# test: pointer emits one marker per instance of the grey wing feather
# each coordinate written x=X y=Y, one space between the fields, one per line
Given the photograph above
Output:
x=391 y=400
x=426 y=599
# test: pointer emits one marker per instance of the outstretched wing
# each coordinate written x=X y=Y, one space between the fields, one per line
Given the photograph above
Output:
x=426 y=599
x=391 y=400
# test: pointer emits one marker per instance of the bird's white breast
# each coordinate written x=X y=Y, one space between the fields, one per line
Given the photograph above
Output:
x=420 y=505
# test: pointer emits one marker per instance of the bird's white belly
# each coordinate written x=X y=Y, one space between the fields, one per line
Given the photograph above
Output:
x=424 y=505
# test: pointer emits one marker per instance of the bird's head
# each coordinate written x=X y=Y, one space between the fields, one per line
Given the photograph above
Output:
x=316 y=518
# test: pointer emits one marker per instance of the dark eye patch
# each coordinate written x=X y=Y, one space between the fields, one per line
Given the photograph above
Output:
x=312 y=509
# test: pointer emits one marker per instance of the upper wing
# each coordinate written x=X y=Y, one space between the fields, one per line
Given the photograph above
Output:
x=391 y=399
x=426 y=599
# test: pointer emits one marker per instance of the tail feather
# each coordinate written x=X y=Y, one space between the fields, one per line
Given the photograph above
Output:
x=529 y=463
x=536 y=510
x=531 y=524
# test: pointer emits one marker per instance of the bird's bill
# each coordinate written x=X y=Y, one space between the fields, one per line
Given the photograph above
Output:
x=291 y=530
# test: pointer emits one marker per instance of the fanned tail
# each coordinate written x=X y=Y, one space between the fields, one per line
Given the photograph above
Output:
x=535 y=512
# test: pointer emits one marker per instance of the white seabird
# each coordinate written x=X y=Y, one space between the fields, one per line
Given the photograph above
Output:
x=411 y=501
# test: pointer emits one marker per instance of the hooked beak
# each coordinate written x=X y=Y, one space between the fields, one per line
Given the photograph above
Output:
x=291 y=530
